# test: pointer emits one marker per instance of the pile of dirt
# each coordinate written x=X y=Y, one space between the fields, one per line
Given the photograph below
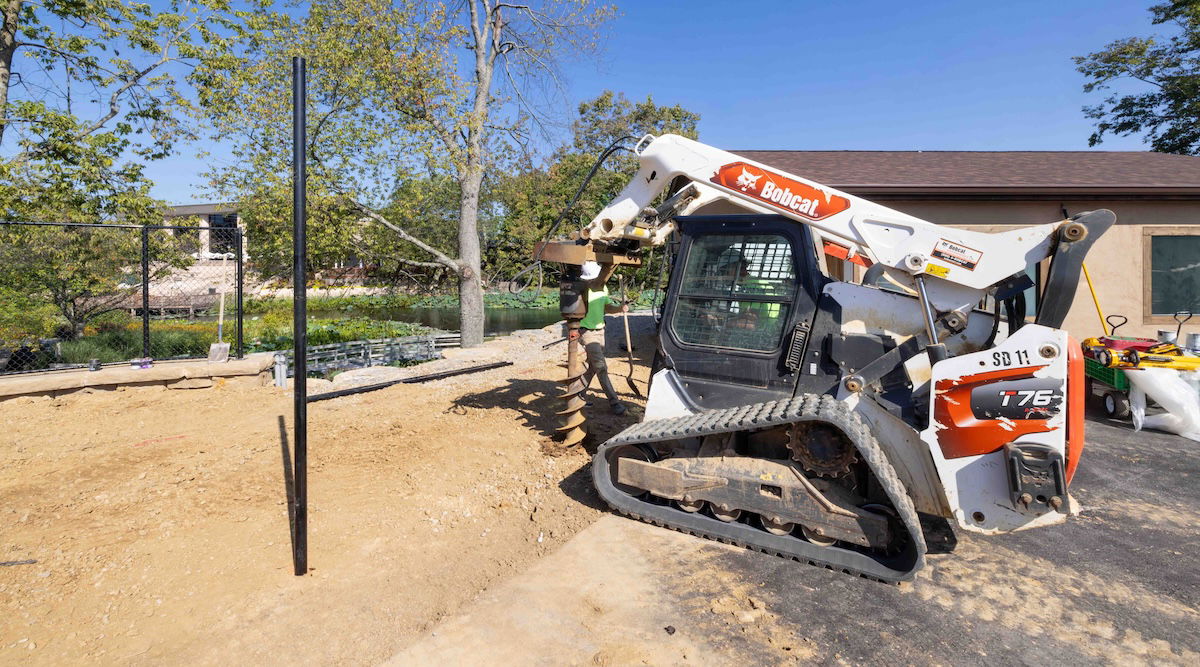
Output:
x=158 y=518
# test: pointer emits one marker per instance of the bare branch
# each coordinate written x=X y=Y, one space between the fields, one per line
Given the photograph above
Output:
x=441 y=257
x=425 y=265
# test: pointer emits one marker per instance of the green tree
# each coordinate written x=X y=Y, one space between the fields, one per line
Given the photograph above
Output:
x=83 y=272
x=611 y=116
x=392 y=100
x=90 y=91
x=100 y=75
x=533 y=197
x=1159 y=79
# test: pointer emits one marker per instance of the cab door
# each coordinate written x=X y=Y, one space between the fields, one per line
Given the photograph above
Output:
x=739 y=287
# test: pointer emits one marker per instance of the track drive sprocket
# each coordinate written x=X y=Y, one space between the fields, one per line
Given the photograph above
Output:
x=821 y=449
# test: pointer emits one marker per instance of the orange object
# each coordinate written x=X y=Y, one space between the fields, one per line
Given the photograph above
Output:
x=780 y=191
x=842 y=252
x=964 y=434
x=1075 y=406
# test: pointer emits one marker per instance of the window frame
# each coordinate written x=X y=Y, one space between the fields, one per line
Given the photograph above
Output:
x=797 y=267
x=1148 y=233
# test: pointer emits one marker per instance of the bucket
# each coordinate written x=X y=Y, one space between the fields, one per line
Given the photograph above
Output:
x=1166 y=335
x=1193 y=342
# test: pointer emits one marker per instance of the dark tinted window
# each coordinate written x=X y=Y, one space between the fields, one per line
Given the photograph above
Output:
x=1174 y=274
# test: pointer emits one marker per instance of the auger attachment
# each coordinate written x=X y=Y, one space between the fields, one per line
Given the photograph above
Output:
x=572 y=302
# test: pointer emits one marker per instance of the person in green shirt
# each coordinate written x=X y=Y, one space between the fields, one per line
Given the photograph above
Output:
x=592 y=333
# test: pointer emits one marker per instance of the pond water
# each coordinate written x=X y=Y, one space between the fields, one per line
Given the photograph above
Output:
x=497 y=321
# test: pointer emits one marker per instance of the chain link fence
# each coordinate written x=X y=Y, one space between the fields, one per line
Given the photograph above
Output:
x=79 y=295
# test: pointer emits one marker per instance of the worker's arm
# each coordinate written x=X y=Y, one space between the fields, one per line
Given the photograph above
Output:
x=614 y=307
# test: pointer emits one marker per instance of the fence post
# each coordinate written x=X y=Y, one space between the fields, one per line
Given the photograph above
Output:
x=299 y=316
x=240 y=284
x=145 y=292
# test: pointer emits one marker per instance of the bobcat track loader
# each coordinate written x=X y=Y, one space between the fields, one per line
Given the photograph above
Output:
x=815 y=418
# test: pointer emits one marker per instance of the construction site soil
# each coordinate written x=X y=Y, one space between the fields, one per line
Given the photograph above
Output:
x=448 y=527
x=159 y=523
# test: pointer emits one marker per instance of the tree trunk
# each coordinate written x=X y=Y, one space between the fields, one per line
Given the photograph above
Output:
x=8 y=46
x=470 y=279
x=470 y=273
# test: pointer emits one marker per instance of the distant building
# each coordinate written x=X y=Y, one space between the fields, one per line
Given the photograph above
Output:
x=1146 y=268
x=212 y=242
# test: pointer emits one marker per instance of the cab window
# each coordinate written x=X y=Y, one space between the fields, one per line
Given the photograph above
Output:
x=736 y=291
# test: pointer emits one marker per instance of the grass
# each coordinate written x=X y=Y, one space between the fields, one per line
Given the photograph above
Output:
x=268 y=334
x=381 y=304
x=170 y=339
x=167 y=341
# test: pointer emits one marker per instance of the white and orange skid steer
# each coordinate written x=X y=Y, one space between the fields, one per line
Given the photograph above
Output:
x=816 y=418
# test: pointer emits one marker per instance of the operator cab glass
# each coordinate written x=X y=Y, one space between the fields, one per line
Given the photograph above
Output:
x=740 y=286
x=735 y=291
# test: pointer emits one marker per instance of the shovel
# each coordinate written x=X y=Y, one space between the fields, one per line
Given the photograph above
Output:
x=218 y=352
x=629 y=349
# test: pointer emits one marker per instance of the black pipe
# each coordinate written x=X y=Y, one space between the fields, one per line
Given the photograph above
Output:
x=412 y=380
x=241 y=279
x=299 y=318
x=145 y=292
x=457 y=371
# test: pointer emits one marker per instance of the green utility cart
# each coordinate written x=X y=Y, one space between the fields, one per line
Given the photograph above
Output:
x=1114 y=384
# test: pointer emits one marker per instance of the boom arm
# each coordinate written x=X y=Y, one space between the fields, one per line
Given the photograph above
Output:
x=955 y=265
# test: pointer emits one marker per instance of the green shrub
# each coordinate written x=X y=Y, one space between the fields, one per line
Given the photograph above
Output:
x=365 y=304
x=24 y=318
x=381 y=304
x=113 y=320
x=275 y=333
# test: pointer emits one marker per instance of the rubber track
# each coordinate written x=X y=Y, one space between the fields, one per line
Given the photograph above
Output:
x=803 y=408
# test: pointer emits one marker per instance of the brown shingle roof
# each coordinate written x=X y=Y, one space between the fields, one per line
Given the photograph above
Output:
x=990 y=171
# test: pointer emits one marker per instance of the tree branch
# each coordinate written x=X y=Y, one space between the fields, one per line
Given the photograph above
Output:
x=441 y=257
x=426 y=265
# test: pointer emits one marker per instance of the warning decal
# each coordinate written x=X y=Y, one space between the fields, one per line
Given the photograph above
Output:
x=956 y=254
x=935 y=270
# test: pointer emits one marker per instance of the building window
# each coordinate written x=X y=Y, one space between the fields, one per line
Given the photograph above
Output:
x=223 y=238
x=736 y=292
x=1172 y=272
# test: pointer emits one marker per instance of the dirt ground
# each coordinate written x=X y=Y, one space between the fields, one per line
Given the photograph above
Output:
x=1116 y=585
x=159 y=523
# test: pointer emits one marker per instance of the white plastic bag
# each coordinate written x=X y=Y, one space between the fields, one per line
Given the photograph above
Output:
x=1176 y=395
x=1137 y=407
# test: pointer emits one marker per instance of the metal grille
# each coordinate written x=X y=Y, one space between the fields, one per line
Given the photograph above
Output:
x=736 y=291
x=745 y=325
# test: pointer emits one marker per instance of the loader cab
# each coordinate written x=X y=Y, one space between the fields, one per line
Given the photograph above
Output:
x=744 y=292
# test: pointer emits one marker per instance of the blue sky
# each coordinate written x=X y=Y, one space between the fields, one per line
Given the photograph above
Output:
x=846 y=75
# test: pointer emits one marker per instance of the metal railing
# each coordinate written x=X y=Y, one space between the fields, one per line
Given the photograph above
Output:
x=80 y=294
x=364 y=353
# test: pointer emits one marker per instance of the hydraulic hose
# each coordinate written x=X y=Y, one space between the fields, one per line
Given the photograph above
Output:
x=516 y=286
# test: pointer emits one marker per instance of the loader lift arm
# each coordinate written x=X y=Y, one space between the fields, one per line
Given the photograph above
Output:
x=953 y=267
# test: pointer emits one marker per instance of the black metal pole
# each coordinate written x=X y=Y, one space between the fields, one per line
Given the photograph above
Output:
x=299 y=318
x=145 y=292
x=241 y=278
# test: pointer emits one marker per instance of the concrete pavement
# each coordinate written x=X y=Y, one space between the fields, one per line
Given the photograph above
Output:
x=1118 y=584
